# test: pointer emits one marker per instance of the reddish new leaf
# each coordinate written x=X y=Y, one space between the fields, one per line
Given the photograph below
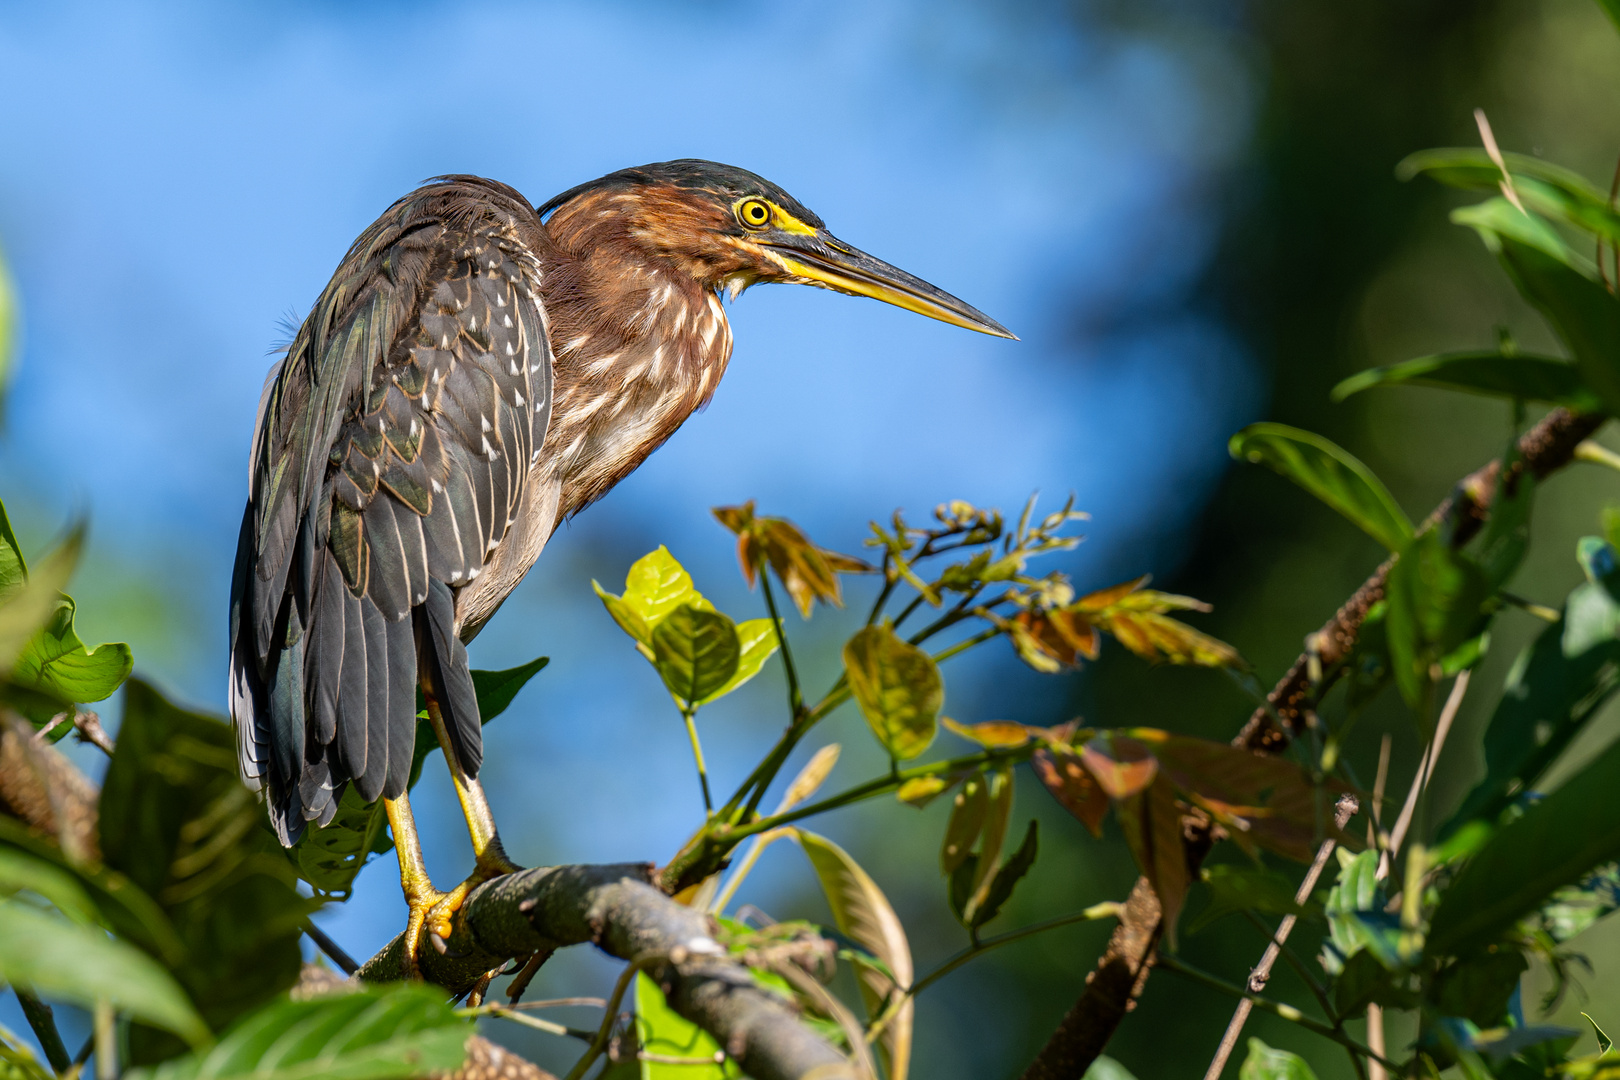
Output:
x=1072 y=786
x=1151 y=822
x=1121 y=765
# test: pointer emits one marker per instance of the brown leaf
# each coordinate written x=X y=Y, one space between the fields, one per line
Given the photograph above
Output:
x=1158 y=637
x=1072 y=786
x=1152 y=826
x=809 y=573
x=1122 y=766
x=1270 y=800
x=995 y=734
x=1107 y=598
x=1050 y=639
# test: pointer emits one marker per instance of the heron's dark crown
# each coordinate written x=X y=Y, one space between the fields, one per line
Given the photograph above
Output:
x=727 y=183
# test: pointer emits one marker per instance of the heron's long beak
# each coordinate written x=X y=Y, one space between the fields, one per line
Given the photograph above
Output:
x=821 y=259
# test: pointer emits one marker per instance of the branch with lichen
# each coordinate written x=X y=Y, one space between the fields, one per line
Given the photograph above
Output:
x=618 y=909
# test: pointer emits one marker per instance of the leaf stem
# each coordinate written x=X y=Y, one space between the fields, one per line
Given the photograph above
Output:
x=43 y=1021
x=506 y=1012
x=1277 y=1008
x=598 y=1044
x=689 y=714
x=795 y=695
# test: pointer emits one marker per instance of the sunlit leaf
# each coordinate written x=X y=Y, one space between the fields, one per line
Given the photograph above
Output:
x=372 y=1033
x=20 y=871
x=1062 y=773
x=897 y=687
x=757 y=640
x=810 y=778
x=8 y=330
x=1604 y=1042
x=1152 y=827
x=1050 y=640
x=1542 y=186
x=1106 y=1068
x=1555 y=843
x=662 y=1031
x=1561 y=285
x=863 y=914
x=1122 y=766
x=995 y=734
x=657 y=584
x=1264 y=1063
x=27 y=608
x=13 y=567
x=1330 y=473
x=696 y=651
x=1519 y=376
x=992 y=838
x=56 y=663
x=80 y=964
x=967 y=819
x=919 y=791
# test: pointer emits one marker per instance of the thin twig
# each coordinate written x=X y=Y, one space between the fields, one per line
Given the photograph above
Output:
x=43 y=1020
x=599 y=1043
x=1342 y=813
x=88 y=725
x=332 y=949
x=1277 y=1008
x=520 y=983
x=562 y=1003
x=1420 y=782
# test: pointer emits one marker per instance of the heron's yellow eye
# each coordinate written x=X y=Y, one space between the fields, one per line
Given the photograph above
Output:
x=754 y=214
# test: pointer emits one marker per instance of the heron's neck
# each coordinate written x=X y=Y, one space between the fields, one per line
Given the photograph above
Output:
x=639 y=347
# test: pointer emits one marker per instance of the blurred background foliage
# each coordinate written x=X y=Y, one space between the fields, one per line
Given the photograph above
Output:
x=1187 y=210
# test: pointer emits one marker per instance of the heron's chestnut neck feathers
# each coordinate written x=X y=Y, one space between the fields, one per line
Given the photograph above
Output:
x=640 y=338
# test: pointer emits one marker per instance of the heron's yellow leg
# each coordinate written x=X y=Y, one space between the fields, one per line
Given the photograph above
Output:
x=492 y=860
x=420 y=895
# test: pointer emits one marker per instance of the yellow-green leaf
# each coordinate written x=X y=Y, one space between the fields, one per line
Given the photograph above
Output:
x=967 y=819
x=1329 y=472
x=991 y=839
x=757 y=640
x=696 y=651
x=656 y=585
x=664 y=1032
x=26 y=609
x=628 y=618
x=864 y=914
x=996 y=734
x=897 y=687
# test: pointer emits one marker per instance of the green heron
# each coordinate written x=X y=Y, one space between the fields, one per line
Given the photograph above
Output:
x=476 y=371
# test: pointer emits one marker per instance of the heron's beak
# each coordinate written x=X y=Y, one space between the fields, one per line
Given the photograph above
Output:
x=821 y=259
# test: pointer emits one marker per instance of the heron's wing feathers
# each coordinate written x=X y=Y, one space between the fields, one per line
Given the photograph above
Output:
x=391 y=457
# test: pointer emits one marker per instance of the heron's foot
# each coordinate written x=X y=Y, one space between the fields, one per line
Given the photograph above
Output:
x=422 y=900
x=492 y=863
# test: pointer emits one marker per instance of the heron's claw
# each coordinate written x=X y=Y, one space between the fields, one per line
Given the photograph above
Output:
x=492 y=863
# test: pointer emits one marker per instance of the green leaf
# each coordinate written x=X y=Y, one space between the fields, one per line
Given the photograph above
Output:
x=1330 y=473
x=1560 y=285
x=656 y=585
x=757 y=640
x=1264 y=1063
x=24 y=610
x=1365 y=980
x=81 y=965
x=20 y=871
x=1247 y=888
x=897 y=687
x=497 y=689
x=1500 y=548
x=1356 y=895
x=1478 y=987
x=1575 y=908
x=968 y=811
x=1557 y=683
x=56 y=662
x=1006 y=878
x=1555 y=843
x=1520 y=377
x=17 y=1061
x=1435 y=595
x=1106 y=1068
x=178 y=822
x=663 y=1031
x=1542 y=186
x=863 y=914
x=1603 y=1040
x=696 y=651
x=13 y=567
x=374 y=1033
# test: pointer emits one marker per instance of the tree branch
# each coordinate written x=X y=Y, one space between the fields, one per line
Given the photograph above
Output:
x=1121 y=972
x=617 y=909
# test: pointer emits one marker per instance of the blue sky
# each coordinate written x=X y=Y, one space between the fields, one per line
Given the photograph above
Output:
x=179 y=178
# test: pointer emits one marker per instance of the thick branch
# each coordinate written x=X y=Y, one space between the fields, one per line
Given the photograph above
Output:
x=1112 y=989
x=621 y=912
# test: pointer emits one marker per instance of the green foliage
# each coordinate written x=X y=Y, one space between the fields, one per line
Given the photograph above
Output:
x=179 y=824
x=696 y=652
x=1330 y=473
x=1514 y=376
x=1265 y=1063
x=666 y=1033
x=898 y=688
x=1233 y=888
x=377 y=1033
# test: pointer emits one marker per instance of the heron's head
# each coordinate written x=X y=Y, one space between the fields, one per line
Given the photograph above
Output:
x=730 y=229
